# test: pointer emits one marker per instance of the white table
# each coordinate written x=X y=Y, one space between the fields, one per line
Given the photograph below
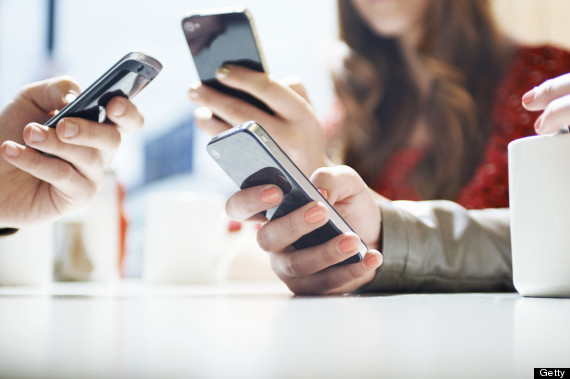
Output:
x=258 y=330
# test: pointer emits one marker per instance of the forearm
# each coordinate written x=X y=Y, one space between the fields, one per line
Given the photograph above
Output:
x=435 y=246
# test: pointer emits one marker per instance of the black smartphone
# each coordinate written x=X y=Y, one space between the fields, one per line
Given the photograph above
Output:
x=125 y=78
x=224 y=36
x=250 y=157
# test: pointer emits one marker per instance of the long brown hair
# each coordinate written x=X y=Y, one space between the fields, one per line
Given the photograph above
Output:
x=465 y=55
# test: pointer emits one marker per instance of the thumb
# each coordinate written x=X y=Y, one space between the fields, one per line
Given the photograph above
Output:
x=51 y=94
x=338 y=182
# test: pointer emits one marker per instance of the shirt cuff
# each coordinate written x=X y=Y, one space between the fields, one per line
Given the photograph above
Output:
x=7 y=231
x=394 y=249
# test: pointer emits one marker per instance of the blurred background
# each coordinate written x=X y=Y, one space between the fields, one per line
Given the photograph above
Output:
x=44 y=38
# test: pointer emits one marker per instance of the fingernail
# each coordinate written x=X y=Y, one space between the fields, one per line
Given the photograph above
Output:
x=12 y=150
x=222 y=72
x=37 y=135
x=538 y=124
x=347 y=245
x=529 y=96
x=70 y=129
x=372 y=261
x=69 y=97
x=119 y=107
x=270 y=195
x=324 y=193
x=194 y=90
x=314 y=215
x=234 y=226
x=202 y=113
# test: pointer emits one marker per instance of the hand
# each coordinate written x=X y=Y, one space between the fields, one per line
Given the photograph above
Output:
x=36 y=187
x=294 y=125
x=309 y=271
x=552 y=96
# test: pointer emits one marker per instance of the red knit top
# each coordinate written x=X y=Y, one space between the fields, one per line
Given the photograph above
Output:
x=488 y=188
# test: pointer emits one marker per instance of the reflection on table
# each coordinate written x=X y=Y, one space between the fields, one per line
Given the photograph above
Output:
x=259 y=330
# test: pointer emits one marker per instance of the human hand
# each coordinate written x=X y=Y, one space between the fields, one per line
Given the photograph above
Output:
x=310 y=271
x=553 y=98
x=294 y=125
x=36 y=187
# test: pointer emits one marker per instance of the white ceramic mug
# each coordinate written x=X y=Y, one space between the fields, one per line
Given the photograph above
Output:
x=187 y=238
x=539 y=187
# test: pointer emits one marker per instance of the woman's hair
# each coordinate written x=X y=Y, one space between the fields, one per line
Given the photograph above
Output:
x=465 y=55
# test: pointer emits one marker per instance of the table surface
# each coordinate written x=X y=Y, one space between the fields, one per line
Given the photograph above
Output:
x=130 y=329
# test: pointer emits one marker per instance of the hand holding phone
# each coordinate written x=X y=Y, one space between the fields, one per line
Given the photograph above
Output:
x=40 y=187
x=224 y=36
x=250 y=157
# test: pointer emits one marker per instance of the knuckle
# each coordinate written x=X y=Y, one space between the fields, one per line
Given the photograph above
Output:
x=61 y=85
x=347 y=169
x=328 y=252
x=35 y=162
x=115 y=139
x=323 y=174
x=95 y=159
x=291 y=267
x=63 y=173
x=265 y=83
x=238 y=108
x=327 y=283
x=548 y=87
x=64 y=83
x=237 y=207
x=289 y=225
x=263 y=240
x=93 y=188
x=26 y=88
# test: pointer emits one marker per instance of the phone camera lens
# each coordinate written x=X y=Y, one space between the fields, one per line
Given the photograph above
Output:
x=192 y=26
x=215 y=154
x=140 y=68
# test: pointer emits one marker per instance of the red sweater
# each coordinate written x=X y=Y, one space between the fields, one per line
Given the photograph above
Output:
x=488 y=188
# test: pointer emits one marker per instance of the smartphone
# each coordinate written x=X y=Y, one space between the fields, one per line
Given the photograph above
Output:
x=250 y=157
x=224 y=36
x=125 y=78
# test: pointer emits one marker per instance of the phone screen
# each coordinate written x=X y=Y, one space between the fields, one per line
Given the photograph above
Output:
x=251 y=161
x=216 y=39
x=126 y=78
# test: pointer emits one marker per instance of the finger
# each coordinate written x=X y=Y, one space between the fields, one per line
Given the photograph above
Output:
x=247 y=203
x=539 y=97
x=52 y=170
x=282 y=232
x=296 y=84
x=124 y=114
x=85 y=133
x=229 y=108
x=338 y=279
x=51 y=94
x=282 y=99
x=555 y=116
x=209 y=124
x=337 y=182
x=314 y=259
x=88 y=161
